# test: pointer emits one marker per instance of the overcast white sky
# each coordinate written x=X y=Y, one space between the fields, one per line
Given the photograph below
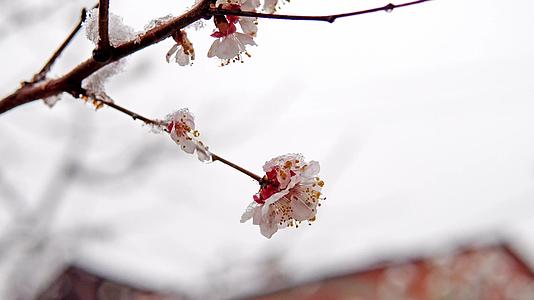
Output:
x=421 y=120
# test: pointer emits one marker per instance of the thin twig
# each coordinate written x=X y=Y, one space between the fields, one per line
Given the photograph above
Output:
x=102 y=53
x=328 y=18
x=136 y=116
x=42 y=74
x=109 y=102
x=103 y=16
x=216 y=157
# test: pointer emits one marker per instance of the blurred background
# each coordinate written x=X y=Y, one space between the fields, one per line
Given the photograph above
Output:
x=421 y=119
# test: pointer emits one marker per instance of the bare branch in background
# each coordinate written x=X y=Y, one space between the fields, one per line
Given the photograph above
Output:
x=46 y=68
x=40 y=216
x=25 y=15
x=135 y=163
x=10 y=196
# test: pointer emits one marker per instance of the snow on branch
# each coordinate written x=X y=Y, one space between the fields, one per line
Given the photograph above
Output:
x=229 y=45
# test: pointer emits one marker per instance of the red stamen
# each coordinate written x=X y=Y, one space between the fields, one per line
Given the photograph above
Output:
x=169 y=126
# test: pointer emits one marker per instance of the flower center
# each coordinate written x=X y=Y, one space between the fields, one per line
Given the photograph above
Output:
x=179 y=127
x=269 y=186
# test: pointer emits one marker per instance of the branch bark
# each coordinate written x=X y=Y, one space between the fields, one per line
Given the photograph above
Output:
x=46 y=68
x=328 y=18
x=103 y=18
x=72 y=80
x=102 y=52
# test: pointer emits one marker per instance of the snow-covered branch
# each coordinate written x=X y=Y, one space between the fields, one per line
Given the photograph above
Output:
x=229 y=46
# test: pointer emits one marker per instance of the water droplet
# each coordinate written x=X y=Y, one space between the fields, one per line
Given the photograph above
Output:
x=389 y=8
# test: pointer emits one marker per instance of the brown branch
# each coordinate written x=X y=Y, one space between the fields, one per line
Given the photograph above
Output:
x=72 y=80
x=108 y=102
x=42 y=73
x=81 y=93
x=329 y=18
x=102 y=52
x=134 y=116
x=103 y=17
x=216 y=157
x=130 y=113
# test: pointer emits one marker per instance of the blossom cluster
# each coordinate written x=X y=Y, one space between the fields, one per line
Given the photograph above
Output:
x=230 y=44
x=290 y=193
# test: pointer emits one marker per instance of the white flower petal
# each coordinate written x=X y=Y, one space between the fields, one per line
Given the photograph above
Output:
x=188 y=145
x=171 y=52
x=244 y=39
x=257 y=217
x=249 y=212
x=301 y=211
x=269 y=6
x=250 y=5
x=214 y=48
x=248 y=25
x=229 y=47
x=224 y=48
x=181 y=58
x=271 y=200
x=311 y=169
x=203 y=153
x=268 y=229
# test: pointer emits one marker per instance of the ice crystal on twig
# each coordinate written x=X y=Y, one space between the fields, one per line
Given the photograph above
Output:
x=52 y=100
x=157 y=22
x=119 y=33
x=94 y=84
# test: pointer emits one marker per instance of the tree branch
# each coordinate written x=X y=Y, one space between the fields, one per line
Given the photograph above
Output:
x=109 y=102
x=72 y=80
x=216 y=157
x=42 y=73
x=329 y=18
x=102 y=52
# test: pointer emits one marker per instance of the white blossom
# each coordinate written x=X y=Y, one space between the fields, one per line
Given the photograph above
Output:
x=290 y=193
x=230 y=44
x=181 y=128
x=185 y=53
